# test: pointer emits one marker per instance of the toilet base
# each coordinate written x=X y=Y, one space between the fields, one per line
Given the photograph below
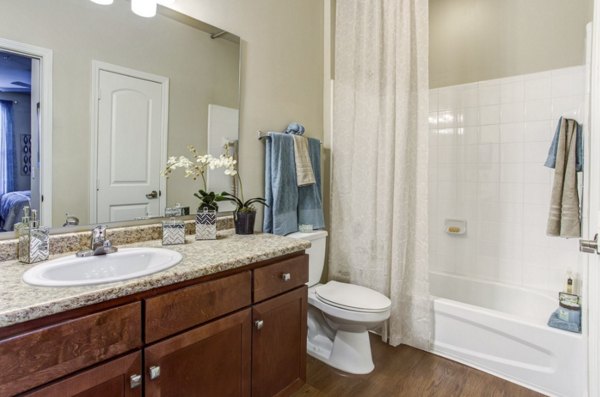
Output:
x=349 y=351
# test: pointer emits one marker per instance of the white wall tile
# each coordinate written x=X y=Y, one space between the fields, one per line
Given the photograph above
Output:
x=511 y=192
x=535 y=152
x=569 y=83
x=512 y=112
x=447 y=173
x=539 y=131
x=512 y=213
x=570 y=107
x=470 y=135
x=470 y=96
x=488 y=212
x=489 y=94
x=489 y=133
x=433 y=139
x=511 y=173
x=446 y=119
x=489 y=115
x=488 y=153
x=433 y=99
x=538 y=88
x=540 y=109
x=512 y=132
x=489 y=172
x=470 y=155
x=448 y=98
x=488 y=191
x=536 y=193
x=536 y=173
x=511 y=152
x=467 y=117
x=433 y=119
x=512 y=92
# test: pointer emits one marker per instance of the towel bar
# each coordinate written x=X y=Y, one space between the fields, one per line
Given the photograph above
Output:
x=265 y=134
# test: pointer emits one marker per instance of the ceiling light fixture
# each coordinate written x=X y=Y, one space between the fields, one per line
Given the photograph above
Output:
x=103 y=2
x=144 y=8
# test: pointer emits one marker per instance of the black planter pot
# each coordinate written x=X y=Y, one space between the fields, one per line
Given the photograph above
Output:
x=244 y=222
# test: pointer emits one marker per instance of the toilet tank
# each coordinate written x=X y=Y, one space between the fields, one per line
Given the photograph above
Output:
x=316 y=253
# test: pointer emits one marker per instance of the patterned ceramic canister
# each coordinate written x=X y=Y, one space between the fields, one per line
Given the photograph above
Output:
x=173 y=232
x=206 y=224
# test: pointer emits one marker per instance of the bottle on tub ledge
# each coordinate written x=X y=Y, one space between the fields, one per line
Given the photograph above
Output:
x=33 y=239
x=569 y=284
x=568 y=315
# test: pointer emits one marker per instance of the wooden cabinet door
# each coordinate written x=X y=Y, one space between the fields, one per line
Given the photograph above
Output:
x=211 y=360
x=279 y=344
x=110 y=379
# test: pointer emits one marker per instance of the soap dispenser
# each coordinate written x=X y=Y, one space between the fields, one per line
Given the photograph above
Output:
x=33 y=239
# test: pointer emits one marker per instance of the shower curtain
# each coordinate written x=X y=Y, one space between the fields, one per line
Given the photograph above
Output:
x=379 y=158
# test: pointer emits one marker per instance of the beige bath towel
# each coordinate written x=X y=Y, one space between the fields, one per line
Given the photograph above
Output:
x=304 y=171
x=564 y=218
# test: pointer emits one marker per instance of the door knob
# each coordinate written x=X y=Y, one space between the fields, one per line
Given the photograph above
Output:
x=286 y=276
x=258 y=324
x=589 y=246
x=135 y=381
x=152 y=195
x=154 y=371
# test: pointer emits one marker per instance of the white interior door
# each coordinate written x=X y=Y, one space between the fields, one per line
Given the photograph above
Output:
x=129 y=147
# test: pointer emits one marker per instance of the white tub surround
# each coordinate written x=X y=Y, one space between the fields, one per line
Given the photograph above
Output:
x=502 y=330
x=488 y=143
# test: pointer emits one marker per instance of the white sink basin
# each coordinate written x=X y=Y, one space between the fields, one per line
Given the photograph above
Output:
x=125 y=264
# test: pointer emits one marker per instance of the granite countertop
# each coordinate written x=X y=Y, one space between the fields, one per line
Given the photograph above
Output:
x=20 y=302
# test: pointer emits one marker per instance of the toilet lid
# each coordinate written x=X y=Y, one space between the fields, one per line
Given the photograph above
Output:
x=352 y=297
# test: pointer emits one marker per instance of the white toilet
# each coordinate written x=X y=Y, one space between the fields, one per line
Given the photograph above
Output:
x=340 y=314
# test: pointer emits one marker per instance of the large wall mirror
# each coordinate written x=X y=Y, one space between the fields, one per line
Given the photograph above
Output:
x=127 y=93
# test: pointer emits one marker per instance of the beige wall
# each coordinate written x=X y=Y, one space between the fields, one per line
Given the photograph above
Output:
x=473 y=40
x=282 y=69
x=201 y=71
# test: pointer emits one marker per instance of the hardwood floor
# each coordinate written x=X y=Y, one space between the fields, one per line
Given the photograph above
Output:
x=406 y=371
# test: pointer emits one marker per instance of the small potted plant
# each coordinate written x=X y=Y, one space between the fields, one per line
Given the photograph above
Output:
x=245 y=212
x=206 y=217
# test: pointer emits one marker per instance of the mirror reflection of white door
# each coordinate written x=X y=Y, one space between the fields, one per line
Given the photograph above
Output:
x=129 y=147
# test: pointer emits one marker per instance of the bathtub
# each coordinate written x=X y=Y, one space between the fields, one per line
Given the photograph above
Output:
x=501 y=329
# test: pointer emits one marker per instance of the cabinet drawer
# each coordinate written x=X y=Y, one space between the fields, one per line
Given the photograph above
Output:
x=111 y=379
x=182 y=309
x=279 y=277
x=37 y=357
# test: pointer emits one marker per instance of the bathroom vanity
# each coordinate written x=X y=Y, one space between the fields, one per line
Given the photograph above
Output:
x=229 y=320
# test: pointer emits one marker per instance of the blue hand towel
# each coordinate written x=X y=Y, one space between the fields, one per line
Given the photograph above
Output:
x=551 y=160
x=281 y=191
x=556 y=322
x=289 y=204
x=294 y=128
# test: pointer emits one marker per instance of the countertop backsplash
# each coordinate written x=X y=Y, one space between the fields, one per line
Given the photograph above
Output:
x=75 y=241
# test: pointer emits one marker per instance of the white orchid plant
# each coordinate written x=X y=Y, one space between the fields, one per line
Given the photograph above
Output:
x=197 y=166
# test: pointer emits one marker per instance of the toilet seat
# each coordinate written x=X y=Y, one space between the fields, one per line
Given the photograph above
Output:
x=352 y=297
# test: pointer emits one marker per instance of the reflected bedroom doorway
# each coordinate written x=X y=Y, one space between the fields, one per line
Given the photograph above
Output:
x=19 y=137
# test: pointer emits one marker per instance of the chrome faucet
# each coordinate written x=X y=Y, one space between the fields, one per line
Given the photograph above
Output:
x=100 y=245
